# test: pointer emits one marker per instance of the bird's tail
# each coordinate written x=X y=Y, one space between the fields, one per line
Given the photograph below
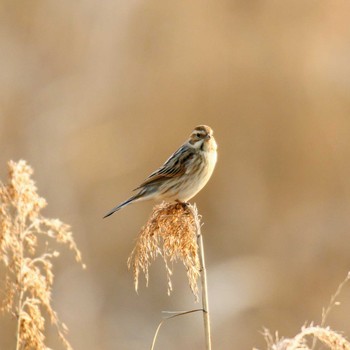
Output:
x=123 y=204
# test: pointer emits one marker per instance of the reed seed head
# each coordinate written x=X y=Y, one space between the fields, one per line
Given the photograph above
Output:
x=25 y=251
x=170 y=232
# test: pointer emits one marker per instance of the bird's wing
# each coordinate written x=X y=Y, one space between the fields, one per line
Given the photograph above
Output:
x=175 y=166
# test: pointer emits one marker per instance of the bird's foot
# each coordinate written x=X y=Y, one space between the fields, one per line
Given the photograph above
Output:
x=184 y=205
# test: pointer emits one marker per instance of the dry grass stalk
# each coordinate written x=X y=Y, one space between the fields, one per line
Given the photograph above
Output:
x=25 y=252
x=205 y=298
x=324 y=335
x=170 y=232
x=174 y=232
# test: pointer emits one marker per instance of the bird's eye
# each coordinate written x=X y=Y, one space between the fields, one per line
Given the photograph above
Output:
x=198 y=135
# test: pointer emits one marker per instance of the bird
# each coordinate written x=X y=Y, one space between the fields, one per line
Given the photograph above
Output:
x=182 y=175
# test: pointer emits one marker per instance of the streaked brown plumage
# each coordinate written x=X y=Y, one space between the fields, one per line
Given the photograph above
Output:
x=183 y=175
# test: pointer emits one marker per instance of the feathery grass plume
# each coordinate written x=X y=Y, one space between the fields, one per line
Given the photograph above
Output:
x=309 y=335
x=26 y=255
x=170 y=232
x=325 y=335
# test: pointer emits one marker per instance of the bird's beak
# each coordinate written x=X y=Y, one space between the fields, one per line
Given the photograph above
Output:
x=208 y=137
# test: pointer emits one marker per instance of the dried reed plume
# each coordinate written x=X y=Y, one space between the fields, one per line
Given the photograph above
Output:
x=308 y=337
x=174 y=232
x=26 y=254
x=325 y=335
x=171 y=232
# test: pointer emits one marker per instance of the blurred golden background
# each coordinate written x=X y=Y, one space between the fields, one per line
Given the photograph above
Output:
x=95 y=95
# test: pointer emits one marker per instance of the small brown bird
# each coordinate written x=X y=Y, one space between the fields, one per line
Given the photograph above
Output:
x=183 y=175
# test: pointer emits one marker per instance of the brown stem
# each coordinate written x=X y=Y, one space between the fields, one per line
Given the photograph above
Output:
x=205 y=299
x=20 y=282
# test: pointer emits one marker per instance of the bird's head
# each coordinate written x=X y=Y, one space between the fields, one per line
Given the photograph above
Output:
x=202 y=138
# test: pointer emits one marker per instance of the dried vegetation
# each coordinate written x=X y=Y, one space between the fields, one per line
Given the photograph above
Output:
x=26 y=237
x=171 y=233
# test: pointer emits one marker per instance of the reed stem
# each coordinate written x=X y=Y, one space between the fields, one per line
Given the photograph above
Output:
x=205 y=299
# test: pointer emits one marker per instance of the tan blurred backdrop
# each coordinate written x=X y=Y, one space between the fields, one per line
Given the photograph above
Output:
x=96 y=94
